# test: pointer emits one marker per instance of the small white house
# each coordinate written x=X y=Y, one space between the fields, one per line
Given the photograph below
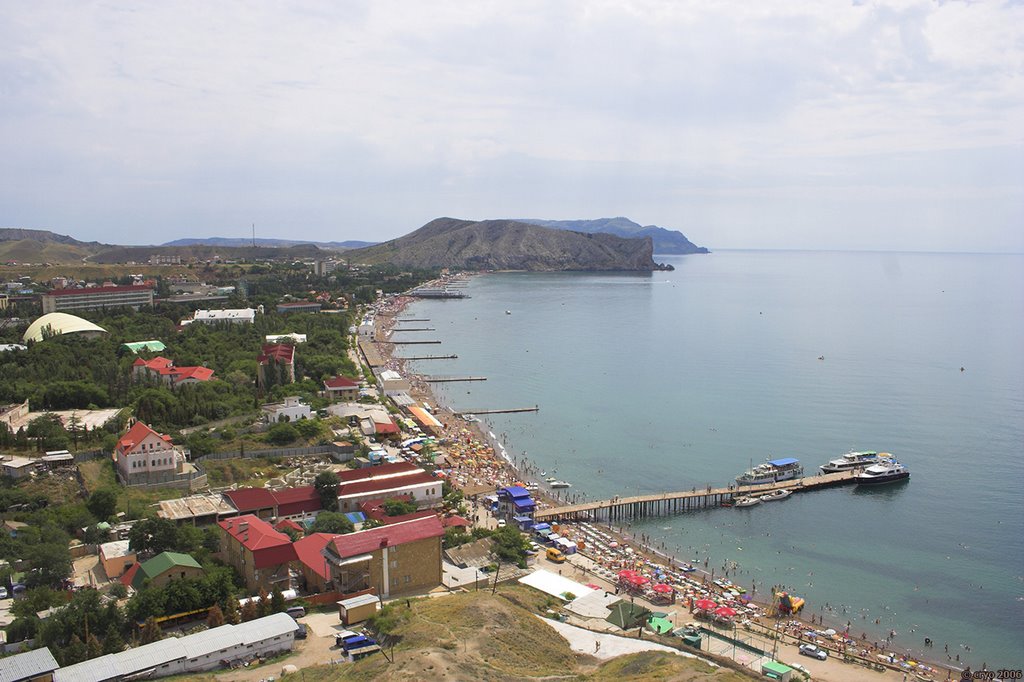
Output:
x=289 y=411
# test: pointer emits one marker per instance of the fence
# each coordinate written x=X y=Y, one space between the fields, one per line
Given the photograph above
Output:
x=332 y=450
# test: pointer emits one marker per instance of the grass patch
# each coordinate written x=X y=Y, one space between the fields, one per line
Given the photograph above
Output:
x=134 y=502
x=250 y=471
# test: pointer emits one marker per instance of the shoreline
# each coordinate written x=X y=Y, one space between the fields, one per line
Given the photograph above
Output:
x=504 y=468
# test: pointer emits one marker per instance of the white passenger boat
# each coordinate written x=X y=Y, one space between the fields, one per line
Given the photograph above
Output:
x=746 y=501
x=772 y=471
x=885 y=472
x=776 y=495
x=854 y=460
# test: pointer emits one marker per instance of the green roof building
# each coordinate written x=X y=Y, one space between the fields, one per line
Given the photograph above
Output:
x=139 y=346
x=165 y=567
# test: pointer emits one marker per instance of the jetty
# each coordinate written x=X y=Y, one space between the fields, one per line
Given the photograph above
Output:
x=660 y=504
x=413 y=329
x=407 y=343
x=431 y=357
x=442 y=379
x=412 y=319
x=509 y=410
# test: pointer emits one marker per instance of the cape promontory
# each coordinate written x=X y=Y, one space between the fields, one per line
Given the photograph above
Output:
x=665 y=241
x=508 y=245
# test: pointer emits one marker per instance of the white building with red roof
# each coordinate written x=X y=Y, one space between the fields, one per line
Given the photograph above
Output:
x=144 y=457
x=341 y=388
x=261 y=554
x=403 y=558
x=276 y=365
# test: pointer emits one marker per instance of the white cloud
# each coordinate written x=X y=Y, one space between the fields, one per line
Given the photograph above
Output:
x=126 y=122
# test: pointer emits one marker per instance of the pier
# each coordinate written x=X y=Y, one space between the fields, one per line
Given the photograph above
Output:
x=408 y=343
x=510 y=410
x=412 y=319
x=442 y=379
x=413 y=329
x=660 y=504
x=431 y=357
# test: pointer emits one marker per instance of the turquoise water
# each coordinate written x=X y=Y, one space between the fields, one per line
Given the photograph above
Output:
x=671 y=380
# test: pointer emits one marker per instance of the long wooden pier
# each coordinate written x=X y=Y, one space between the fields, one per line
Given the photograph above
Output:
x=431 y=357
x=510 y=410
x=442 y=379
x=412 y=319
x=407 y=343
x=659 y=504
x=413 y=329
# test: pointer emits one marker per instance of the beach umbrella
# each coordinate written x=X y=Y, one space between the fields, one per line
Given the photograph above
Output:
x=626 y=574
x=639 y=579
x=662 y=588
x=830 y=632
x=705 y=604
x=725 y=611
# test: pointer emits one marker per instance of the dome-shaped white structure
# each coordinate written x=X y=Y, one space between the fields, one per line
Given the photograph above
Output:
x=60 y=323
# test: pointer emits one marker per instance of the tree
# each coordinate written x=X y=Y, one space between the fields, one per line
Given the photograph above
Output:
x=397 y=507
x=151 y=632
x=282 y=434
x=277 y=604
x=249 y=611
x=153 y=535
x=331 y=522
x=49 y=564
x=74 y=652
x=215 y=618
x=93 y=648
x=102 y=504
x=112 y=641
x=326 y=484
x=263 y=607
x=48 y=432
x=510 y=545
x=232 y=610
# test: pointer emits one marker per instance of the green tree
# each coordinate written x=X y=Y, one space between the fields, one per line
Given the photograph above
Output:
x=153 y=536
x=510 y=545
x=49 y=565
x=277 y=604
x=215 y=618
x=48 y=431
x=282 y=434
x=74 y=652
x=102 y=504
x=398 y=507
x=326 y=484
x=113 y=642
x=232 y=610
x=331 y=522
x=151 y=632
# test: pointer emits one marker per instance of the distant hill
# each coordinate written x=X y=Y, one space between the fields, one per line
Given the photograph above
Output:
x=665 y=241
x=42 y=246
x=508 y=245
x=232 y=241
x=141 y=254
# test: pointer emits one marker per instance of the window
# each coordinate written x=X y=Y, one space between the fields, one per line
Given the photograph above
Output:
x=407 y=579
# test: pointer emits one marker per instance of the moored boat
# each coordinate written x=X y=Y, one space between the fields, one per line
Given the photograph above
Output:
x=772 y=471
x=853 y=460
x=746 y=501
x=776 y=495
x=559 y=484
x=884 y=472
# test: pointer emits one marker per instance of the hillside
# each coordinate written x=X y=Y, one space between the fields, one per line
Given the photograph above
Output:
x=508 y=245
x=141 y=254
x=665 y=241
x=42 y=246
x=241 y=242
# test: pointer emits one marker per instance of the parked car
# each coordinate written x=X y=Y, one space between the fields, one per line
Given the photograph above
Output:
x=301 y=631
x=799 y=668
x=814 y=651
x=3 y=593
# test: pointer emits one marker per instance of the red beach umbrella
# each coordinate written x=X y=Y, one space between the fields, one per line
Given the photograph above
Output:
x=662 y=588
x=725 y=611
x=640 y=579
x=626 y=574
x=705 y=604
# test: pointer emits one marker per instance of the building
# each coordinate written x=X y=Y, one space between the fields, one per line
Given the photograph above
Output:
x=153 y=346
x=341 y=388
x=313 y=567
x=195 y=653
x=116 y=558
x=515 y=504
x=18 y=467
x=299 y=307
x=162 y=569
x=12 y=528
x=425 y=420
x=37 y=665
x=163 y=370
x=62 y=300
x=227 y=316
x=387 y=481
x=260 y=554
x=390 y=380
x=404 y=558
x=289 y=411
x=276 y=365
x=282 y=503
x=292 y=338
x=57 y=324
x=144 y=457
x=358 y=607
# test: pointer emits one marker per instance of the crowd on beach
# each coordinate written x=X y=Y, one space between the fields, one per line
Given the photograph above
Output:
x=476 y=458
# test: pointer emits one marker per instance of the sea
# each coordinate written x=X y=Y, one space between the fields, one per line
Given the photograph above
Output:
x=666 y=381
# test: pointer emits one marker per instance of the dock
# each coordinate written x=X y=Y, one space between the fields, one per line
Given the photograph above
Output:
x=407 y=343
x=442 y=379
x=431 y=357
x=510 y=410
x=413 y=329
x=660 y=504
x=412 y=319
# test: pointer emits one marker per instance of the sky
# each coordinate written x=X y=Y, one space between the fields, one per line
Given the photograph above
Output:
x=800 y=124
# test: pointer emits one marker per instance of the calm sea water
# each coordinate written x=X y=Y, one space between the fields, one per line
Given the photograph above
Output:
x=671 y=380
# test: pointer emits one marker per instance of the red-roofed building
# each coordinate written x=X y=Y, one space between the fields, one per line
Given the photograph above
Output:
x=455 y=521
x=341 y=388
x=267 y=504
x=374 y=509
x=424 y=488
x=277 y=365
x=404 y=558
x=285 y=525
x=379 y=472
x=259 y=553
x=144 y=457
x=163 y=370
x=62 y=300
x=297 y=501
x=316 y=573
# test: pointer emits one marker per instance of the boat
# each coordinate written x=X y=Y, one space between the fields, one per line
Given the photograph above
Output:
x=550 y=479
x=853 y=460
x=746 y=501
x=559 y=484
x=884 y=472
x=508 y=312
x=776 y=495
x=772 y=471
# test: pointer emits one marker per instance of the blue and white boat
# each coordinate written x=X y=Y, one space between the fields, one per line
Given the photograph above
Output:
x=854 y=460
x=772 y=471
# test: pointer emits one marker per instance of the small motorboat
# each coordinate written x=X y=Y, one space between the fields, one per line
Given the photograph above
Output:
x=776 y=495
x=746 y=501
x=559 y=484
x=550 y=479
x=508 y=312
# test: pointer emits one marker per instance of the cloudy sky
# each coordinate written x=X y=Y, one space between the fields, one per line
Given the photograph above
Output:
x=796 y=124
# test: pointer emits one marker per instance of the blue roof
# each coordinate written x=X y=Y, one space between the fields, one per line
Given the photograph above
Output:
x=542 y=526
x=785 y=461
x=523 y=504
x=515 y=491
x=355 y=517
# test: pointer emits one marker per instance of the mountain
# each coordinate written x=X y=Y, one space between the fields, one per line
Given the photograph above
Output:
x=508 y=245
x=232 y=241
x=665 y=241
x=42 y=246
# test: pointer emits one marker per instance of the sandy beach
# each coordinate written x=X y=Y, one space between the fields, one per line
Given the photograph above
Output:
x=476 y=461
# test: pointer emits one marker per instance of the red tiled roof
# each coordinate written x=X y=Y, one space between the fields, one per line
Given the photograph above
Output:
x=268 y=546
x=287 y=523
x=282 y=352
x=135 y=435
x=300 y=500
x=197 y=373
x=309 y=550
x=454 y=520
x=398 y=468
x=363 y=542
x=380 y=485
x=156 y=363
x=387 y=427
x=95 y=290
x=341 y=382
x=250 y=499
x=129 y=575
